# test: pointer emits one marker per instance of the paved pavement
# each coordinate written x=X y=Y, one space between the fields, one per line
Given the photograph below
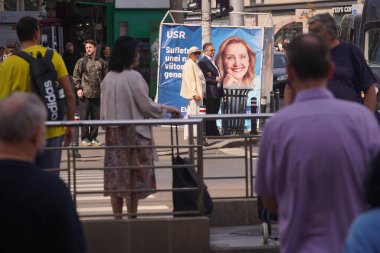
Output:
x=242 y=239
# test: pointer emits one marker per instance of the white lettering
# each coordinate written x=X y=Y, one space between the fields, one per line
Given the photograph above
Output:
x=52 y=99
x=168 y=75
x=175 y=34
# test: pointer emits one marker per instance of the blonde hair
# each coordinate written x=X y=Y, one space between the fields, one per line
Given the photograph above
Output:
x=249 y=76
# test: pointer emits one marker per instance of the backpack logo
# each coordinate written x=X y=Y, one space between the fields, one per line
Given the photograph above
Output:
x=44 y=82
x=52 y=99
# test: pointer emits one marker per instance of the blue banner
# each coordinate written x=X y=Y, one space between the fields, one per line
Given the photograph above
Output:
x=239 y=56
x=176 y=40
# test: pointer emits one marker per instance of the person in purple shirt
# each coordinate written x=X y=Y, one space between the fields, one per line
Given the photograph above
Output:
x=352 y=74
x=364 y=236
x=314 y=155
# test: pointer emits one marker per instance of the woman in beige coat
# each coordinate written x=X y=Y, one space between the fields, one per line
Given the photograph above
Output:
x=125 y=95
x=193 y=86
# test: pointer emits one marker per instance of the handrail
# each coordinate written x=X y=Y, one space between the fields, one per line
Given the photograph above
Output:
x=195 y=148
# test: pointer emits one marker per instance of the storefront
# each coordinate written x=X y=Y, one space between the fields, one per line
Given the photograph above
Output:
x=290 y=19
x=8 y=20
x=86 y=20
x=141 y=19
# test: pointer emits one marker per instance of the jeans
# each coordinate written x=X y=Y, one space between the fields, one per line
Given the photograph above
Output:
x=51 y=159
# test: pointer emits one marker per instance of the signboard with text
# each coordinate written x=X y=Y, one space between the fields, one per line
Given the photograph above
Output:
x=239 y=55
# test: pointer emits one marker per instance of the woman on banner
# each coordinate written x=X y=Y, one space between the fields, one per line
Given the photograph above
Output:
x=193 y=86
x=125 y=96
x=236 y=62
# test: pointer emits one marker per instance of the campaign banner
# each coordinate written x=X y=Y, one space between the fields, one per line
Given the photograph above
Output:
x=238 y=55
x=176 y=40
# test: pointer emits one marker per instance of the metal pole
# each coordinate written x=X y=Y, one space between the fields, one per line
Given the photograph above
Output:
x=277 y=99
x=272 y=108
x=177 y=5
x=263 y=109
x=237 y=19
x=254 y=120
x=75 y=143
x=206 y=21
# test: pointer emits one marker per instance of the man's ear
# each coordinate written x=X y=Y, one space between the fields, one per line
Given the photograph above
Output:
x=290 y=72
x=39 y=138
x=331 y=70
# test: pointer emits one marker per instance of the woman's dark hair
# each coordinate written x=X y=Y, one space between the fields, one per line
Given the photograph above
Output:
x=123 y=54
x=372 y=184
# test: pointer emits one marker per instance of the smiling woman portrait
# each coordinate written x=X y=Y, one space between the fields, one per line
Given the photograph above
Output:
x=236 y=62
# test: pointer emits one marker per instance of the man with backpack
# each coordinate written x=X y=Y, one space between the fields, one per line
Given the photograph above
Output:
x=89 y=71
x=16 y=74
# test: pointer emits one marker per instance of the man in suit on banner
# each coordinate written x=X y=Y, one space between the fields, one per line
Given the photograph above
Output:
x=214 y=86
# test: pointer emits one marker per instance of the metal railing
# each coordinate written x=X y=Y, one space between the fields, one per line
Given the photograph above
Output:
x=249 y=140
x=193 y=148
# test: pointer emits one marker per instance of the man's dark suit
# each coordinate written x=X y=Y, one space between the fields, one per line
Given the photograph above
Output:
x=214 y=93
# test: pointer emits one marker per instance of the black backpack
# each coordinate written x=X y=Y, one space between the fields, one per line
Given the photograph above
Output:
x=44 y=82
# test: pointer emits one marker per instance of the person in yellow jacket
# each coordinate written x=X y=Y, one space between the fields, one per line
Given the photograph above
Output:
x=193 y=86
x=15 y=77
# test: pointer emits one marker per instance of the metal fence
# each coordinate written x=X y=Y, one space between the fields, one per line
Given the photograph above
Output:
x=73 y=168
x=248 y=140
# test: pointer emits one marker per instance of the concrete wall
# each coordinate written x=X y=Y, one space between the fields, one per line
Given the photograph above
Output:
x=236 y=212
x=166 y=235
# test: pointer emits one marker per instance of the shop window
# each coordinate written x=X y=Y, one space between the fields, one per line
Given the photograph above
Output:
x=123 y=29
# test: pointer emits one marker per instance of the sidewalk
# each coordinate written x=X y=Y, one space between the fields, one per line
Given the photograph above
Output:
x=239 y=239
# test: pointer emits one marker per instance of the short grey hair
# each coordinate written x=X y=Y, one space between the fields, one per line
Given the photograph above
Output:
x=206 y=45
x=21 y=114
x=327 y=21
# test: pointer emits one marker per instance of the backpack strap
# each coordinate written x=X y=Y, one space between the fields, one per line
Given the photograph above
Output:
x=24 y=55
x=84 y=63
x=49 y=54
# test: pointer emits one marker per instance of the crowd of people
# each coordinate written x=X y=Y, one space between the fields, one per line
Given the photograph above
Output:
x=319 y=158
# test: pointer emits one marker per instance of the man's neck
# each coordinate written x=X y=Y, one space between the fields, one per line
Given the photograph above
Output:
x=15 y=152
x=333 y=44
x=308 y=84
x=209 y=57
x=27 y=44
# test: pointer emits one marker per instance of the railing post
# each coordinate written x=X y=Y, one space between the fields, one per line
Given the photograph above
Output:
x=132 y=171
x=277 y=99
x=202 y=110
x=263 y=109
x=200 y=169
x=254 y=120
x=75 y=143
x=272 y=108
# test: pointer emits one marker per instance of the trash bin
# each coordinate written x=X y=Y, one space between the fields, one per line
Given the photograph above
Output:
x=234 y=101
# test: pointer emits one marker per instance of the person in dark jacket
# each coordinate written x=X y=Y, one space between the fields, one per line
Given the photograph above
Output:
x=38 y=214
x=70 y=57
x=89 y=71
x=214 y=87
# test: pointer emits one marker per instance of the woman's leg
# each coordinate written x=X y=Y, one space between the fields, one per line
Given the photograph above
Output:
x=117 y=207
x=131 y=210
